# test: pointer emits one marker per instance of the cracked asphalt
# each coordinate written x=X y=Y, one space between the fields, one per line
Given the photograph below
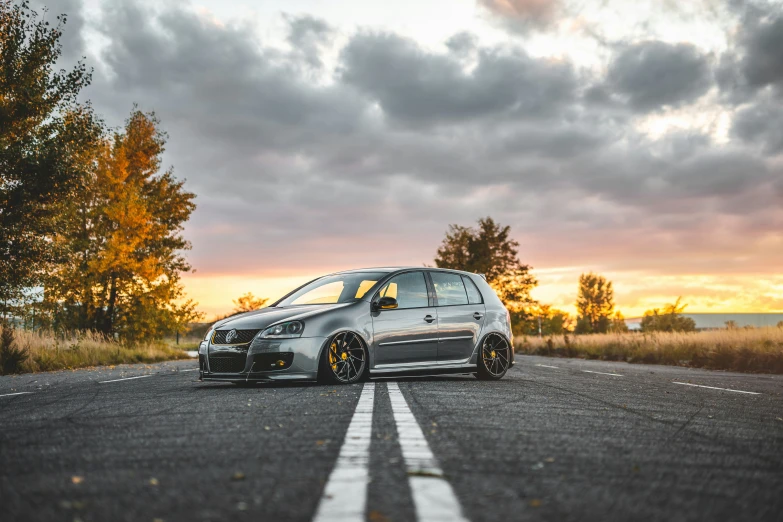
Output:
x=555 y=440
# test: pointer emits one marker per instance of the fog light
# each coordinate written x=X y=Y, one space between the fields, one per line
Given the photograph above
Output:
x=281 y=363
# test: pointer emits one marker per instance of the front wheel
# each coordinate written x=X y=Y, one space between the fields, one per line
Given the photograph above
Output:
x=344 y=359
x=494 y=357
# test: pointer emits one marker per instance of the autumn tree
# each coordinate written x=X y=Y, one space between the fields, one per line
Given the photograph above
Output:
x=594 y=304
x=123 y=236
x=44 y=135
x=551 y=321
x=670 y=319
x=488 y=249
x=248 y=302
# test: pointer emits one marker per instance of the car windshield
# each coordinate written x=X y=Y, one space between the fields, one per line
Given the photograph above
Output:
x=339 y=288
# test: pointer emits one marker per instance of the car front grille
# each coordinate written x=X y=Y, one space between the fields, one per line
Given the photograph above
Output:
x=242 y=336
x=234 y=363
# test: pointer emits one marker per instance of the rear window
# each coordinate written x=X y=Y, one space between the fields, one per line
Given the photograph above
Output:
x=474 y=296
x=449 y=289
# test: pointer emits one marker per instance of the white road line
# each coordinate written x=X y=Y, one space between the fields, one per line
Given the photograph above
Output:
x=125 y=379
x=603 y=373
x=17 y=393
x=433 y=497
x=345 y=494
x=714 y=388
x=547 y=366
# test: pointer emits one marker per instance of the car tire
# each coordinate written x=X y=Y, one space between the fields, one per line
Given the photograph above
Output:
x=340 y=357
x=494 y=358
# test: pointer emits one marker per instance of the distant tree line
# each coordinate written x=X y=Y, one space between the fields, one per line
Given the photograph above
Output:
x=90 y=223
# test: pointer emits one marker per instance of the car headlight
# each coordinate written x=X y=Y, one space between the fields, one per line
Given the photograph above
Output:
x=287 y=330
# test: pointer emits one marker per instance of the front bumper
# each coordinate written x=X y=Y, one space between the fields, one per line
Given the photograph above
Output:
x=270 y=360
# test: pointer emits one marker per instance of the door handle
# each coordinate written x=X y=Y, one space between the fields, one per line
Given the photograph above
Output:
x=429 y=318
x=477 y=316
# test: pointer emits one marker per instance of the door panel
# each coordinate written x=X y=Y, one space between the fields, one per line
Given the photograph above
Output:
x=460 y=316
x=409 y=333
x=403 y=336
x=458 y=331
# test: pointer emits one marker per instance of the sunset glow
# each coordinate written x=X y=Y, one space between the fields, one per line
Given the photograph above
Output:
x=637 y=140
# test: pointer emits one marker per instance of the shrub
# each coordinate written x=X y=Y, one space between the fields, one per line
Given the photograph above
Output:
x=11 y=355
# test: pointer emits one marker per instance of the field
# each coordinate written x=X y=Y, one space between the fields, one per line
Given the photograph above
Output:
x=758 y=350
x=46 y=352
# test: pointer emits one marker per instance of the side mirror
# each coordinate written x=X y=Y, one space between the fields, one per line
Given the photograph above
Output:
x=385 y=303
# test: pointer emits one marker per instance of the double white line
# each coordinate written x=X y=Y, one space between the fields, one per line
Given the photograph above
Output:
x=345 y=494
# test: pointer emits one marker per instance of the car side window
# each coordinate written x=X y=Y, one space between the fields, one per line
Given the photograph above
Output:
x=409 y=289
x=474 y=296
x=449 y=289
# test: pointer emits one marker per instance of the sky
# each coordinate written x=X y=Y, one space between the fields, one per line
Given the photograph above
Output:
x=641 y=140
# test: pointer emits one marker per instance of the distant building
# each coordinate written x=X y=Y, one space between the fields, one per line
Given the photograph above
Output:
x=714 y=321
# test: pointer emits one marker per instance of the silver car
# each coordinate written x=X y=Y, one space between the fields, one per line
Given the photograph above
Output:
x=373 y=322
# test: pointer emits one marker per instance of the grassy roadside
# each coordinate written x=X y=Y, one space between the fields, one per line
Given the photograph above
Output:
x=757 y=350
x=42 y=351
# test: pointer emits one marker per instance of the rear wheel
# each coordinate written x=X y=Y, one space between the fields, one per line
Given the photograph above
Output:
x=494 y=357
x=344 y=360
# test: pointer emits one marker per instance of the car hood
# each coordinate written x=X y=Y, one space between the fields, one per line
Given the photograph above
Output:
x=265 y=317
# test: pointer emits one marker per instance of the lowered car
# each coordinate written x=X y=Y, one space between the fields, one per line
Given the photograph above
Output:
x=358 y=324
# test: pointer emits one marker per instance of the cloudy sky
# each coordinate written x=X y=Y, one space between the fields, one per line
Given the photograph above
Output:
x=642 y=140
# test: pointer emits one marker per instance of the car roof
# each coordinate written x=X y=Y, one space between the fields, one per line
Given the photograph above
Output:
x=391 y=269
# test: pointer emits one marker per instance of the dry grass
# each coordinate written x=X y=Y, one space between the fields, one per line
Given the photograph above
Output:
x=47 y=352
x=753 y=350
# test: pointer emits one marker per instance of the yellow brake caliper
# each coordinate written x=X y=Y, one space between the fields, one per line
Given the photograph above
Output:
x=332 y=358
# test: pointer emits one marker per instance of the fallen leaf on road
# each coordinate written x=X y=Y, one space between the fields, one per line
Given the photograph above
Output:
x=320 y=442
x=76 y=479
x=266 y=428
x=376 y=516
x=549 y=460
x=238 y=475
x=535 y=503
x=153 y=481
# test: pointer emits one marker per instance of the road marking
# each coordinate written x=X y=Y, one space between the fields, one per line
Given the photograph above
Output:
x=190 y=370
x=125 y=379
x=345 y=495
x=547 y=366
x=714 y=388
x=17 y=393
x=433 y=497
x=603 y=373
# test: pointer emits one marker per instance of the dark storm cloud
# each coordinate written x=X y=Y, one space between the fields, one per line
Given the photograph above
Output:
x=761 y=124
x=654 y=74
x=308 y=35
x=755 y=61
x=416 y=86
x=368 y=160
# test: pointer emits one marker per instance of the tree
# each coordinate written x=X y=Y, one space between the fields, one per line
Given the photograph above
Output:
x=552 y=321
x=123 y=238
x=44 y=132
x=248 y=303
x=731 y=325
x=669 y=319
x=594 y=304
x=617 y=324
x=489 y=250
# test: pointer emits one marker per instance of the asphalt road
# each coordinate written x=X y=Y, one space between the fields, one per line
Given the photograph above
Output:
x=557 y=439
